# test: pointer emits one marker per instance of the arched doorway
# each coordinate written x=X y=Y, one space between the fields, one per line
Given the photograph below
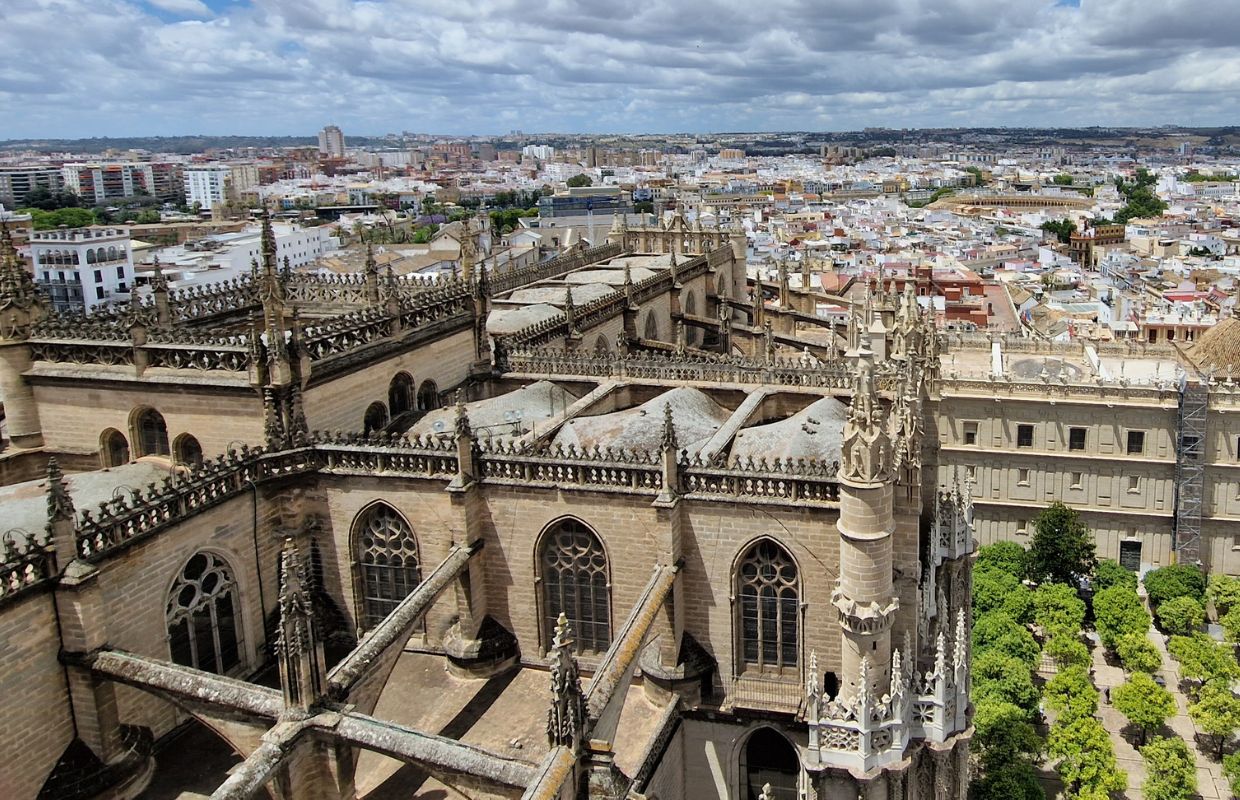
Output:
x=769 y=758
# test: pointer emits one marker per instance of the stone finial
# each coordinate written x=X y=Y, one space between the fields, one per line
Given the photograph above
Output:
x=371 y=267
x=674 y=267
x=566 y=718
x=570 y=310
x=482 y=286
x=813 y=691
x=628 y=284
x=767 y=792
x=668 y=439
x=158 y=282
x=461 y=423
x=59 y=502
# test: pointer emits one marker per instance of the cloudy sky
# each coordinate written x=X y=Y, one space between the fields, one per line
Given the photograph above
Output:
x=145 y=67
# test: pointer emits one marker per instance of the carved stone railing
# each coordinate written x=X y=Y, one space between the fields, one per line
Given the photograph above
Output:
x=696 y=367
x=800 y=482
x=1103 y=390
x=117 y=522
x=110 y=344
x=196 y=303
x=26 y=561
x=553 y=268
x=421 y=456
x=600 y=470
x=360 y=328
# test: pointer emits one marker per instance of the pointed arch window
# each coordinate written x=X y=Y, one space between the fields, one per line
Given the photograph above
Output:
x=202 y=616
x=574 y=574
x=152 y=433
x=767 y=586
x=115 y=448
x=387 y=558
x=400 y=394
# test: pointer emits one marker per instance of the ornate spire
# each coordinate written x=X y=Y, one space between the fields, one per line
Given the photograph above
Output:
x=17 y=288
x=570 y=311
x=302 y=669
x=668 y=440
x=674 y=267
x=566 y=718
x=867 y=444
x=268 y=244
x=628 y=285
x=59 y=503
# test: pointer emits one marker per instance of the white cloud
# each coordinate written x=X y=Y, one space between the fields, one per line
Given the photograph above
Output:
x=289 y=66
x=184 y=8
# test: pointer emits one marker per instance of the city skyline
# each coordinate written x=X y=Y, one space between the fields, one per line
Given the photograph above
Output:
x=274 y=67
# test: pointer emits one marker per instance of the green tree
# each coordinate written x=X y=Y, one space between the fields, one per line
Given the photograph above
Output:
x=1203 y=659
x=1014 y=781
x=1062 y=179
x=1217 y=714
x=1170 y=771
x=998 y=677
x=1224 y=592
x=994 y=590
x=1062 y=550
x=1231 y=769
x=1231 y=624
x=70 y=217
x=1146 y=704
x=1056 y=607
x=1071 y=694
x=997 y=632
x=1177 y=580
x=1109 y=573
x=1137 y=653
x=1181 y=615
x=1003 y=733
x=149 y=217
x=1118 y=611
x=1061 y=229
x=1086 y=759
x=48 y=200
x=579 y=180
x=1066 y=649
x=1008 y=557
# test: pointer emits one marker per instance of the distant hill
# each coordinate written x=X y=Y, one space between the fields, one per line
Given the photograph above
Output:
x=170 y=144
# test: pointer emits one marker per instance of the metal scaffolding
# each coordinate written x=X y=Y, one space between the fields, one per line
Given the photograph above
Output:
x=1190 y=470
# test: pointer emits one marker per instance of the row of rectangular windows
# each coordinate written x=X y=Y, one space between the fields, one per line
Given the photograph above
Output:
x=1134 y=445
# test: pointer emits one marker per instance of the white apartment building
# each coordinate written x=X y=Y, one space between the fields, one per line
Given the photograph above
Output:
x=81 y=268
x=229 y=255
x=208 y=184
x=543 y=152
